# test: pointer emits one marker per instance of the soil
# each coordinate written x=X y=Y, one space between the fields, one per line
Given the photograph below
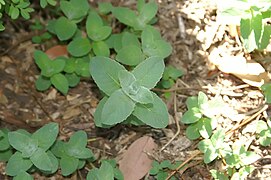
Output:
x=191 y=27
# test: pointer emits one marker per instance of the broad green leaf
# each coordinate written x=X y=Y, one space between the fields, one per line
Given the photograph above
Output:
x=58 y=149
x=79 y=152
x=74 y=9
x=4 y=143
x=100 y=48
x=17 y=163
x=192 y=132
x=50 y=131
x=210 y=155
x=98 y=112
x=204 y=145
x=81 y=164
x=128 y=39
x=130 y=55
x=64 y=28
x=82 y=66
x=43 y=3
x=191 y=116
x=73 y=79
x=93 y=21
x=172 y=72
x=42 y=60
x=105 y=71
x=133 y=120
x=157 y=48
x=265 y=137
x=205 y=127
x=5 y=155
x=265 y=37
x=68 y=165
x=43 y=83
x=140 y=4
x=61 y=83
x=192 y=102
x=23 y=176
x=126 y=16
x=218 y=175
x=105 y=7
x=155 y=114
x=112 y=114
x=150 y=35
x=261 y=125
x=165 y=164
x=22 y=143
x=148 y=12
x=14 y=12
x=54 y=162
x=117 y=39
x=78 y=139
x=149 y=72
x=99 y=33
x=42 y=160
x=218 y=138
x=79 y=47
x=266 y=88
x=213 y=107
x=202 y=99
x=132 y=89
x=70 y=65
x=105 y=172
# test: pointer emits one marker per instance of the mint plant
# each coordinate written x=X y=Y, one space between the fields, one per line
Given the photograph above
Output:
x=108 y=170
x=201 y=115
x=130 y=91
x=264 y=132
x=26 y=153
x=161 y=170
x=170 y=75
x=251 y=16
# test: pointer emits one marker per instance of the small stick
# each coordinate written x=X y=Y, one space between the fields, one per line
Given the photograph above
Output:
x=184 y=163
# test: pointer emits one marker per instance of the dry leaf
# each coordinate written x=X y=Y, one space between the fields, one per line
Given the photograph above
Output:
x=250 y=72
x=71 y=113
x=135 y=163
x=56 y=51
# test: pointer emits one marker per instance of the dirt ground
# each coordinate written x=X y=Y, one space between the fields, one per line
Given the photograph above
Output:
x=191 y=27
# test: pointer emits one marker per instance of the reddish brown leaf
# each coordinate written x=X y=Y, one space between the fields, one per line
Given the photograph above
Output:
x=56 y=51
x=135 y=163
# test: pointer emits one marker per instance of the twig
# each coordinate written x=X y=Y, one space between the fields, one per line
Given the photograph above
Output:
x=184 y=163
x=248 y=119
x=176 y=122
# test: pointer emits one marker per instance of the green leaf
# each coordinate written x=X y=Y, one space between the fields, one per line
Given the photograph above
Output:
x=82 y=66
x=23 y=143
x=54 y=162
x=42 y=160
x=73 y=79
x=61 y=83
x=210 y=153
x=105 y=172
x=130 y=55
x=14 y=12
x=105 y=71
x=155 y=114
x=43 y=3
x=128 y=39
x=74 y=9
x=104 y=7
x=126 y=16
x=172 y=72
x=5 y=155
x=132 y=89
x=205 y=127
x=265 y=137
x=266 y=88
x=149 y=72
x=261 y=125
x=192 y=132
x=46 y=136
x=98 y=112
x=217 y=138
x=4 y=143
x=64 y=28
x=191 y=116
x=192 y=102
x=17 y=163
x=68 y=165
x=70 y=65
x=100 y=48
x=112 y=114
x=23 y=176
x=43 y=83
x=148 y=12
x=79 y=47
x=218 y=175
x=58 y=149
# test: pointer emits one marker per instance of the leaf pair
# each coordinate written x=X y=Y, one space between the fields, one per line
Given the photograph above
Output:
x=33 y=149
x=128 y=92
x=138 y=21
x=72 y=155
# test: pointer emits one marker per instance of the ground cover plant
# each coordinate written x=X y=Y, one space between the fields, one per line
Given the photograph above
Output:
x=118 y=85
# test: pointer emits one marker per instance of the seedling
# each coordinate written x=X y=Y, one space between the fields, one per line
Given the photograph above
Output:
x=27 y=153
x=251 y=16
x=161 y=170
x=130 y=91
x=264 y=132
x=201 y=115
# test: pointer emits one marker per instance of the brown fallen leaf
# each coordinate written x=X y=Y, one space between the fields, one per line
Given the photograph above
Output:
x=248 y=71
x=135 y=163
x=56 y=51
